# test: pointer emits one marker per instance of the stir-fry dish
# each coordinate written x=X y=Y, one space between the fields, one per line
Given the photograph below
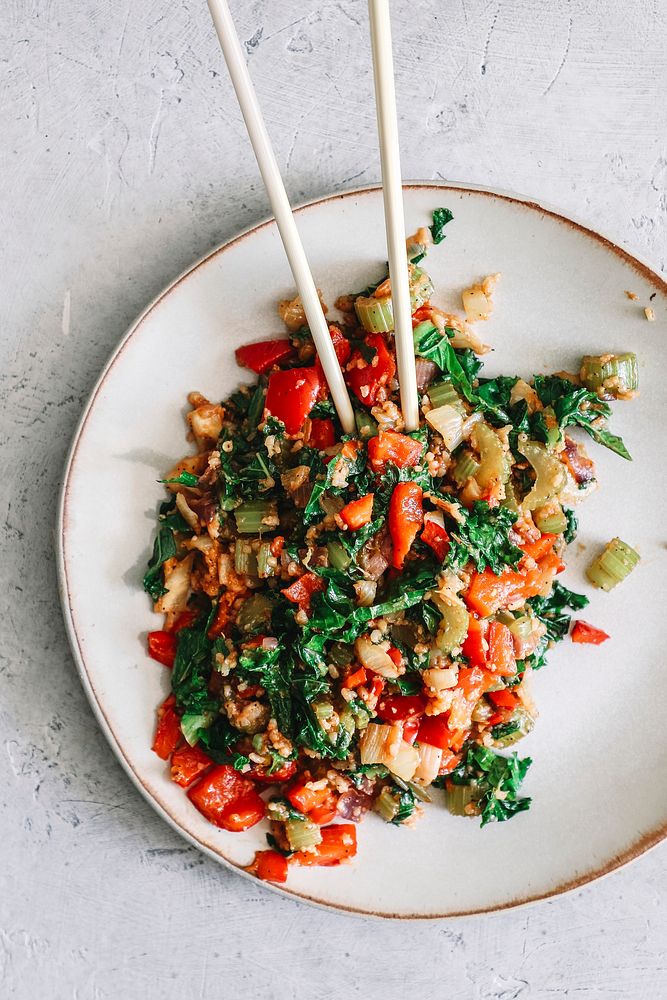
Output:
x=353 y=620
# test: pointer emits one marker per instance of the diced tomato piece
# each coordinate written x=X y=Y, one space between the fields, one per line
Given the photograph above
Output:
x=292 y=394
x=304 y=797
x=354 y=679
x=358 y=513
x=259 y=773
x=271 y=866
x=583 y=632
x=262 y=356
x=390 y=446
x=227 y=799
x=367 y=378
x=338 y=843
x=436 y=537
x=399 y=707
x=322 y=433
x=301 y=591
x=406 y=517
x=168 y=731
x=540 y=547
x=162 y=647
x=475 y=647
x=187 y=764
x=503 y=698
x=501 y=659
x=434 y=731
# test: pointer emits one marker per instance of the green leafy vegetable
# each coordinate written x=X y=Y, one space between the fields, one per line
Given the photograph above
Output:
x=441 y=218
x=496 y=780
x=164 y=548
x=483 y=536
x=183 y=479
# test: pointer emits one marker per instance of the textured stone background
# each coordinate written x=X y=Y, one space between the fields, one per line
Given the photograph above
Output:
x=123 y=158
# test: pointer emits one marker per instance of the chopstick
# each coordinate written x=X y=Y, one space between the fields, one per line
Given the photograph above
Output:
x=245 y=93
x=385 y=98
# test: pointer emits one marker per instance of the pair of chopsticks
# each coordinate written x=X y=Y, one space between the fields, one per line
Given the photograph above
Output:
x=393 y=208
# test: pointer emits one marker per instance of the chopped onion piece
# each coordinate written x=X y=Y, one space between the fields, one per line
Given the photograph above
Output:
x=374 y=658
x=448 y=422
x=430 y=759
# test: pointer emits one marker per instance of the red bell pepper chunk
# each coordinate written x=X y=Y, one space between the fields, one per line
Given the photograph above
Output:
x=448 y=762
x=399 y=707
x=501 y=659
x=503 y=698
x=434 y=731
x=271 y=866
x=358 y=513
x=322 y=433
x=184 y=620
x=354 y=679
x=436 y=537
x=390 y=446
x=539 y=548
x=305 y=798
x=583 y=632
x=410 y=730
x=338 y=843
x=162 y=647
x=475 y=647
x=262 y=356
x=187 y=764
x=473 y=682
x=227 y=799
x=301 y=591
x=395 y=656
x=168 y=731
x=324 y=813
x=367 y=378
x=259 y=773
x=292 y=394
x=424 y=312
x=488 y=593
x=406 y=517
x=341 y=344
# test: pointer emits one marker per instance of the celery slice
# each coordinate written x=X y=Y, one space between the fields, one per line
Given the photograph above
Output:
x=256 y=516
x=612 y=565
x=443 y=393
x=615 y=374
x=386 y=805
x=302 y=833
x=508 y=733
x=245 y=558
x=465 y=467
x=460 y=796
x=550 y=519
x=366 y=426
x=338 y=557
x=375 y=315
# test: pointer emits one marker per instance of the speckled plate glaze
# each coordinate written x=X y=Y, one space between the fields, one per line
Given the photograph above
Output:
x=600 y=746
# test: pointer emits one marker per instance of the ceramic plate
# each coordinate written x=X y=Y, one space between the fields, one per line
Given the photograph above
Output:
x=599 y=748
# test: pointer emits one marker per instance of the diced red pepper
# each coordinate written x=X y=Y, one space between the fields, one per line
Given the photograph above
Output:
x=271 y=866
x=305 y=798
x=359 y=512
x=583 y=632
x=223 y=614
x=436 y=537
x=419 y=315
x=367 y=378
x=434 y=731
x=260 y=773
x=227 y=799
x=501 y=659
x=187 y=764
x=262 y=356
x=354 y=679
x=448 y=762
x=410 y=730
x=184 y=620
x=162 y=647
x=168 y=731
x=475 y=647
x=326 y=811
x=473 y=682
x=399 y=707
x=338 y=843
x=322 y=433
x=301 y=591
x=341 y=344
x=390 y=446
x=539 y=548
x=292 y=394
x=503 y=698
x=488 y=593
x=395 y=656
x=406 y=517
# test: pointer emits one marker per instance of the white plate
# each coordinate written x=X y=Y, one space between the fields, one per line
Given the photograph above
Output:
x=599 y=748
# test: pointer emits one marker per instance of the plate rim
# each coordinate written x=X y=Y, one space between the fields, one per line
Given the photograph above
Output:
x=635 y=850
